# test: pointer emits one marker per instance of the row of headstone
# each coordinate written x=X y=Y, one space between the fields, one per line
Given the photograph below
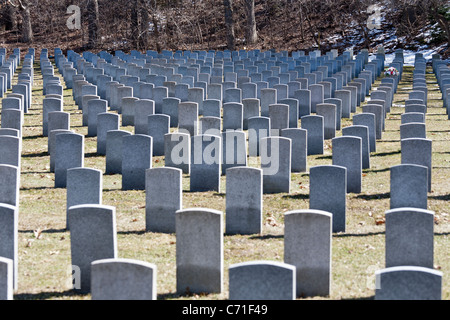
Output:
x=199 y=257
x=15 y=103
x=442 y=72
x=409 y=273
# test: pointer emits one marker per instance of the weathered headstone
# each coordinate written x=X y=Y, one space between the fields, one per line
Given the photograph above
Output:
x=409 y=237
x=136 y=159
x=93 y=237
x=418 y=151
x=328 y=192
x=69 y=153
x=408 y=283
x=262 y=280
x=206 y=159
x=307 y=246
x=199 y=251
x=276 y=164
x=347 y=153
x=163 y=193
x=123 y=279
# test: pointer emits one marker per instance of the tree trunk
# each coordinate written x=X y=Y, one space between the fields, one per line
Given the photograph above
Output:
x=93 y=21
x=10 y=18
x=135 y=30
x=251 y=35
x=229 y=23
x=145 y=19
x=27 y=31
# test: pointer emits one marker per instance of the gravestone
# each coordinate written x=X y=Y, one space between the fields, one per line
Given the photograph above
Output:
x=408 y=283
x=304 y=102
x=9 y=225
x=206 y=158
x=363 y=133
x=210 y=125
x=328 y=112
x=417 y=151
x=69 y=153
x=367 y=120
x=377 y=110
x=123 y=279
x=170 y=108
x=347 y=153
x=233 y=116
x=6 y=279
x=345 y=97
x=307 y=247
x=234 y=149
x=158 y=126
x=408 y=186
x=328 y=189
x=244 y=201
x=250 y=109
x=177 y=151
x=93 y=237
x=163 y=194
x=188 y=113
x=114 y=153
x=136 y=159
x=49 y=105
x=315 y=133
x=258 y=128
x=276 y=164
x=413 y=130
x=94 y=108
x=409 y=238
x=418 y=117
x=105 y=122
x=199 y=251
x=84 y=186
x=262 y=280
x=212 y=108
x=299 y=153
x=10 y=150
x=128 y=111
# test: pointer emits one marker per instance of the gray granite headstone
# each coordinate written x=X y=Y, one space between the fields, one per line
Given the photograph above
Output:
x=199 y=251
x=307 y=246
x=163 y=192
x=123 y=279
x=262 y=280
x=409 y=238
x=136 y=159
x=93 y=237
x=408 y=283
x=347 y=153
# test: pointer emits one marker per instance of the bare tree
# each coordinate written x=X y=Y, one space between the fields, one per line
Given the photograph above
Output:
x=229 y=23
x=93 y=23
x=251 y=35
x=24 y=8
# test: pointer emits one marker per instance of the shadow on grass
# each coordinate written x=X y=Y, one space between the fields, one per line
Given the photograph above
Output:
x=47 y=295
x=383 y=154
x=266 y=236
x=377 y=170
x=368 y=234
x=376 y=196
x=135 y=232
x=37 y=188
x=46 y=231
x=445 y=197
x=299 y=196
x=35 y=155
x=32 y=137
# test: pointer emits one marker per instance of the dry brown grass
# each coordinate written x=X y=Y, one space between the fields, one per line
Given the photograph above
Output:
x=44 y=244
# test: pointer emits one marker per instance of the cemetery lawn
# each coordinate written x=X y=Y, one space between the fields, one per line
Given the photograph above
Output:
x=44 y=243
